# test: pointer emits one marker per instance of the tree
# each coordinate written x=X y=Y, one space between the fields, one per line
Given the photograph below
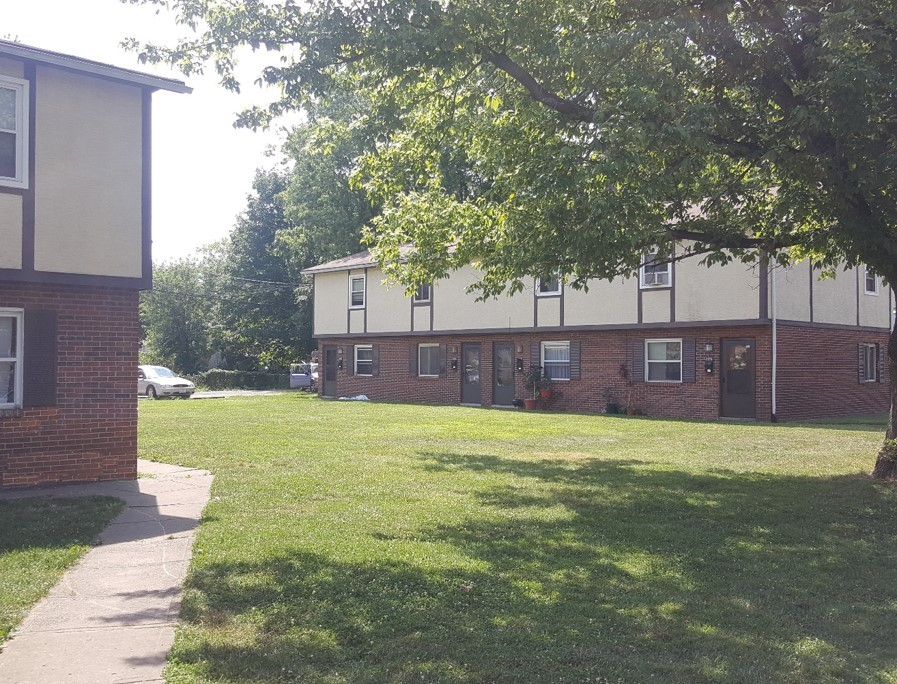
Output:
x=592 y=130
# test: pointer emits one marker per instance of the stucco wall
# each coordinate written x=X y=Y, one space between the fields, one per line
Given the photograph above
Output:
x=10 y=231
x=606 y=303
x=88 y=175
x=331 y=302
x=455 y=309
x=389 y=310
x=835 y=300
x=12 y=67
x=730 y=292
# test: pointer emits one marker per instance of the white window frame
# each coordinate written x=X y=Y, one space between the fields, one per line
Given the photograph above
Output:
x=870 y=350
x=353 y=279
x=20 y=86
x=18 y=359
x=649 y=361
x=418 y=299
x=548 y=293
x=866 y=275
x=555 y=343
x=367 y=347
x=419 y=369
x=649 y=258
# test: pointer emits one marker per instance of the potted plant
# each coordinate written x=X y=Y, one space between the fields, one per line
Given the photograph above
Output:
x=533 y=383
x=545 y=386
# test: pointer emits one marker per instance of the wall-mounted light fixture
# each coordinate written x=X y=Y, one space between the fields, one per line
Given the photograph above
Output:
x=708 y=365
x=519 y=364
x=520 y=350
x=708 y=347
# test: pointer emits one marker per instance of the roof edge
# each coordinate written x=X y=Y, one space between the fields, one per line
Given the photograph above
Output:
x=89 y=66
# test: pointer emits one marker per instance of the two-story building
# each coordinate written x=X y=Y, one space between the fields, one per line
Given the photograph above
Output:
x=679 y=340
x=74 y=254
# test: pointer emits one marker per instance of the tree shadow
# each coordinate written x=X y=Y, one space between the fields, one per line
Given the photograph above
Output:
x=586 y=571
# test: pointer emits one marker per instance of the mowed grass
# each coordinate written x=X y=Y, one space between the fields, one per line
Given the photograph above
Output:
x=364 y=542
x=39 y=539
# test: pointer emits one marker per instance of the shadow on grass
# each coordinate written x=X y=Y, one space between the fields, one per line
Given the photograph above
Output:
x=586 y=571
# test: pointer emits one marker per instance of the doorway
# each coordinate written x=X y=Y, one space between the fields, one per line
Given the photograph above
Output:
x=471 y=389
x=503 y=389
x=328 y=388
x=737 y=379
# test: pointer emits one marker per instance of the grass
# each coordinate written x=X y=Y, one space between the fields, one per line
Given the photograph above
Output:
x=39 y=539
x=362 y=542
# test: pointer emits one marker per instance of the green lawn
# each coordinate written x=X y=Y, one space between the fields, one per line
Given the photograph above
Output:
x=39 y=540
x=361 y=542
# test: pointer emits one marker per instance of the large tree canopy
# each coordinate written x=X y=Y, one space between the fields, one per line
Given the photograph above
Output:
x=588 y=131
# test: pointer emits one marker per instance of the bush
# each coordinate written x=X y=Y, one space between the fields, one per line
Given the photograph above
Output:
x=217 y=379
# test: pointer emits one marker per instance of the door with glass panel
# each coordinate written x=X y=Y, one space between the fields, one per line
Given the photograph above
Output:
x=738 y=397
x=471 y=389
x=328 y=388
x=503 y=374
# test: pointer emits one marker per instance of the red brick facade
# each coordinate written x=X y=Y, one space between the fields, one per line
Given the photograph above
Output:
x=818 y=362
x=91 y=432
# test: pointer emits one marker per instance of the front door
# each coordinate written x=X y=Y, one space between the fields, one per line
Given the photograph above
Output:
x=471 y=392
x=328 y=389
x=737 y=379
x=503 y=371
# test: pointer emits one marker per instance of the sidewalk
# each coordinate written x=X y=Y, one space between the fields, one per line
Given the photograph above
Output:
x=111 y=618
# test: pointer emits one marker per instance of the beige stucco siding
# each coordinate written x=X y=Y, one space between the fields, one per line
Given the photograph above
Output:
x=356 y=320
x=12 y=67
x=835 y=300
x=656 y=305
x=10 y=231
x=730 y=292
x=606 y=303
x=549 y=311
x=875 y=310
x=88 y=175
x=455 y=309
x=389 y=310
x=792 y=292
x=331 y=303
x=421 y=318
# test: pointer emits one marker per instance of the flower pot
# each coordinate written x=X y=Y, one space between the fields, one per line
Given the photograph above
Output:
x=545 y=393
x=530 y=404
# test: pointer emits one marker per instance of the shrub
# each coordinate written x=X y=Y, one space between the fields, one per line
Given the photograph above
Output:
x=218 y=379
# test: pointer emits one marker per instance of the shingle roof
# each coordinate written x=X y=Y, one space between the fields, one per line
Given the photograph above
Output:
x=357 y=260
x=87 y=66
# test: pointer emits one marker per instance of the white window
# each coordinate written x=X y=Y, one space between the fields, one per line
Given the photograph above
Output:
x=870 y=363
x=428 y=360
x=871 y=282
x=549 y=286
x=13 y=132
x=654 y=274
x=422 y=293
x=10 y=358
x=356 y=292
x=364 y=359
x=556 y=360
x=663 y=360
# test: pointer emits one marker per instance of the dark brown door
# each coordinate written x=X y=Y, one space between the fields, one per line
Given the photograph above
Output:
x=503 y=372
x=471 y=389
x=738 y=380
x=328 y=389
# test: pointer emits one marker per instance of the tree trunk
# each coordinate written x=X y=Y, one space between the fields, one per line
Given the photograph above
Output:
x=886 y=463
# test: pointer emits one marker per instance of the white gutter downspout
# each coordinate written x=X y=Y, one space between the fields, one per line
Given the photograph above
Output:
x=775 y=349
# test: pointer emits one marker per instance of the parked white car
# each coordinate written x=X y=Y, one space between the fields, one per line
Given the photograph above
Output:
x=157 y=382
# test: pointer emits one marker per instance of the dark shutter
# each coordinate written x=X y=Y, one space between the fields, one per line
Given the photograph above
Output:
x=638 y=361
x=535 y=354
x=375 y=359
x=39 y=368
x=880 y=354
x=442 y=360
x=351 y=369
x=575 y=360
x=861 y=363
x=688 y=360
x=412 y=360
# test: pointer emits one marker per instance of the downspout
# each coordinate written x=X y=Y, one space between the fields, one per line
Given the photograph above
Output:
x=775 y=346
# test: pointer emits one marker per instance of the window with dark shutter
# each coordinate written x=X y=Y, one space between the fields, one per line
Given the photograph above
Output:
x=40 y=358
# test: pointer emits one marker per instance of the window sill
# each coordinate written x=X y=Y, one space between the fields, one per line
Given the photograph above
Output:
x=871 y=294
x=655 y=287
x=664 y=382
x=11 y=412
x=548 y=294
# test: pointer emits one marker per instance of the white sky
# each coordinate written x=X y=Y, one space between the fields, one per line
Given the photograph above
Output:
x=202 y=166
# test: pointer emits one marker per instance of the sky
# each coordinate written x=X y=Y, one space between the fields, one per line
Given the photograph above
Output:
x=202 y=166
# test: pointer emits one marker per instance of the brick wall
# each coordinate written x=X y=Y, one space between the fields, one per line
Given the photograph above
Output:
x=606 y=358
x=818 y=373
x=91 y=434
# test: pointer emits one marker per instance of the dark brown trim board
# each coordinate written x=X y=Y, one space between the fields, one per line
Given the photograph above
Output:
x=146 y=190
x=763 y=310
x=28 y=195
x=812 y=278
x=672 y=292
x=84 y=279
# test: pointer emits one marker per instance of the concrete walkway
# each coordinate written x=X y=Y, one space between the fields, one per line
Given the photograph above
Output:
x=111 y=619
